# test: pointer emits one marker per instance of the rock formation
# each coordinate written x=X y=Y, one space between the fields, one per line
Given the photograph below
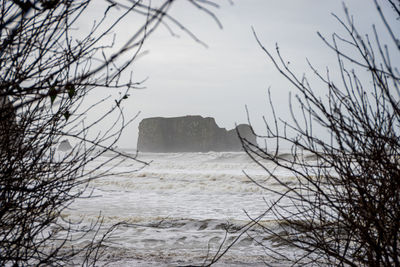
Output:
x=189 y=134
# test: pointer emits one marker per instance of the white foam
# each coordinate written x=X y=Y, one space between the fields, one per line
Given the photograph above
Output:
x=189 y=196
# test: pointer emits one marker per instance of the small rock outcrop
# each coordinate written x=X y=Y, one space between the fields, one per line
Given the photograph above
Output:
x=189 y=134
x=64 y=145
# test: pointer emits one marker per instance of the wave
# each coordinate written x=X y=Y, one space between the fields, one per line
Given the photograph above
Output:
x=179 y=206
x=199 y=156
x=183 y=241
x=208 y=156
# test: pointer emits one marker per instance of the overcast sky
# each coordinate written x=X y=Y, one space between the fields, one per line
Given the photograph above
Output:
x=186 y=78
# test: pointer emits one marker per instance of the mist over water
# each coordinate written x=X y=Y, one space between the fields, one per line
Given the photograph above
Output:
x=177 y=209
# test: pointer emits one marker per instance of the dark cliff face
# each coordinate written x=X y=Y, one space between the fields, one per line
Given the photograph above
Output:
x=189 y=134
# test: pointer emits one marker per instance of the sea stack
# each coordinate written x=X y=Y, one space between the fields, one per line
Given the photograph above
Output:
x=190 y=134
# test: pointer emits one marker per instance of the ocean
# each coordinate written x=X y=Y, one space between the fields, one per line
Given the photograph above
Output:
x=176 y=211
